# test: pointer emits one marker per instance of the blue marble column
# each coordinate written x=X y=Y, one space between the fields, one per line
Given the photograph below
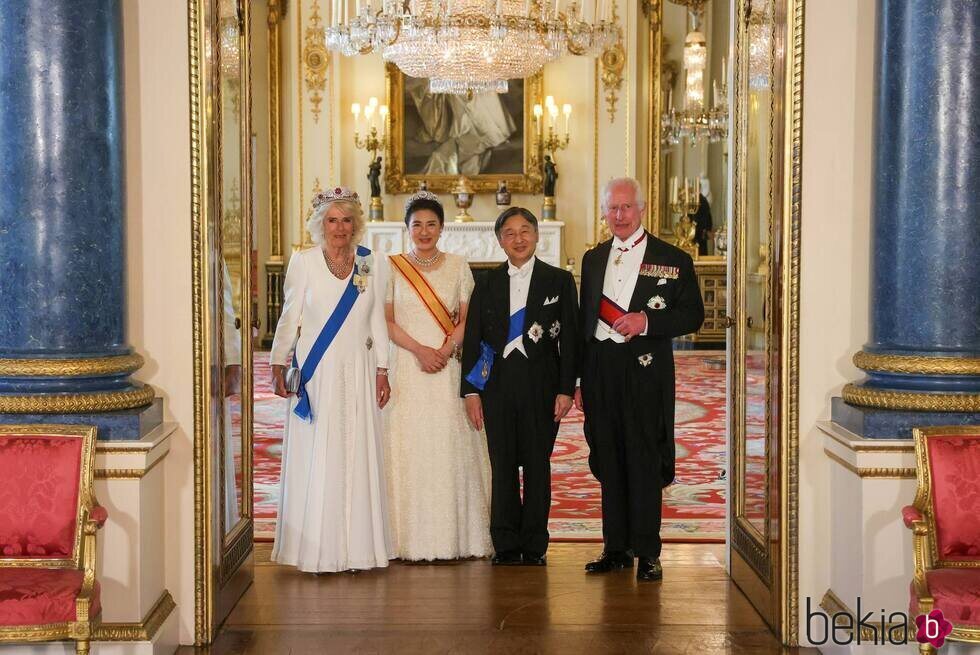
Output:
x=63 y=350
x=923 y=356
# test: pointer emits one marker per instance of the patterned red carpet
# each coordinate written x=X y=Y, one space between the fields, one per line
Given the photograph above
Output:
x=694 y=506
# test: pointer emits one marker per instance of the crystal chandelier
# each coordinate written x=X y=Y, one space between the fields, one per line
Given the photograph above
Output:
x=694 y=122
x=471 y=46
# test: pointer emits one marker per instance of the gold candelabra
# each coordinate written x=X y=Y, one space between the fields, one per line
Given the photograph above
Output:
x=685 y=201
x=552 y=143
x=374 y=141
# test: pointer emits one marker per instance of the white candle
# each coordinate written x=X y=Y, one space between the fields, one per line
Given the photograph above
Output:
x=567 y=110
x=500 y=7
x=673 y=189
x=357 y=8
x=556 y=8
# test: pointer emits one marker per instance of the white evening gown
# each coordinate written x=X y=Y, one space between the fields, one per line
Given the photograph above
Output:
x=332 y=503
x=438 y=466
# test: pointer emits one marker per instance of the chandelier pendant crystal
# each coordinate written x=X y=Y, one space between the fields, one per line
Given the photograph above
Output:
x=471 y=46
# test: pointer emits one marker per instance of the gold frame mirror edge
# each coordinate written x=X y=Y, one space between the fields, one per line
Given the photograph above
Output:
x=653 y=9
x=787 y=160
x=216 y=559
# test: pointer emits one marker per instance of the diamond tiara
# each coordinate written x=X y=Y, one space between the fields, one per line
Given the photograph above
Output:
x=421 y=195
x=333 y=195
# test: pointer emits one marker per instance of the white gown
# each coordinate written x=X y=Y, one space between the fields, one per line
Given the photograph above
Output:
x=332 y=503
x=438 y=466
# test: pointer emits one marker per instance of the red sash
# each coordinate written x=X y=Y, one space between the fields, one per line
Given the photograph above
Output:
x=610 y=312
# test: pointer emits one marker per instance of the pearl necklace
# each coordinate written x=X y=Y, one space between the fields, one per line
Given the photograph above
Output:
x=338 y=270
x=425 y=262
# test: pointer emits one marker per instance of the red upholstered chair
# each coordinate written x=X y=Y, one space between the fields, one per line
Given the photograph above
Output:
x=945 y=523
x=48 y=520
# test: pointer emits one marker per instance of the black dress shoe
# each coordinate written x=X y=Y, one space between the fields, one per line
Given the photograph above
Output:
x=506 y=558
x=530 y=559
x=610 y=561
x=648 y=569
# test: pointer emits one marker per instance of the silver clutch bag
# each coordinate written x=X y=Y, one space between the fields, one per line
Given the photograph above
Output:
x=292 y=379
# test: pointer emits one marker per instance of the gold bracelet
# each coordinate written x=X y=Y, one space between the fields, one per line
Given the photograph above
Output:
x=383 y=371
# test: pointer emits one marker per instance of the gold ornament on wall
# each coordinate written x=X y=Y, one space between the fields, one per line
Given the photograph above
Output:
x=613 y=61
x=315 y=60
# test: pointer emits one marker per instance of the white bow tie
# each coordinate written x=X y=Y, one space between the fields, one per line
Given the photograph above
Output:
x=519 y=272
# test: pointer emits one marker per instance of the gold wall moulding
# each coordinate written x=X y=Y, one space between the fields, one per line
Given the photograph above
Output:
x=917 y=364
x=77 y=367
x=613 y=61
x=885 y=472
x=127 y=474
x=911 y=401
x=145 y=630
x=84 y=403
x=315 y=60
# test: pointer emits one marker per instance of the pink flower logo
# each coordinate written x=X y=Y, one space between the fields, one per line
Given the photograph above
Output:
x=933 y=628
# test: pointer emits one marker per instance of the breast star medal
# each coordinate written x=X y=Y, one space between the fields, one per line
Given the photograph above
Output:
x=535 y=332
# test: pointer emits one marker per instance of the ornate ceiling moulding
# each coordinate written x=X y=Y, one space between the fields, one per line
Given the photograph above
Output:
x=315 y=60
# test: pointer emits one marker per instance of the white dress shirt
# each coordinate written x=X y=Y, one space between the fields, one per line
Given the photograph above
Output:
x=520 y=282
x=620 y=279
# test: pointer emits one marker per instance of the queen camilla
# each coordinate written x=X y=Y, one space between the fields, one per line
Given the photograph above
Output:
x=333 y=337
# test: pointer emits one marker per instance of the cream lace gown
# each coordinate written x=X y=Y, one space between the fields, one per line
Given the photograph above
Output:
x=332 y=503
x=438 y=467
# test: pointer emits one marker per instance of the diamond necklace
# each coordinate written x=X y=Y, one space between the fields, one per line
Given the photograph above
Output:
x=425 y=262
x=338 y=270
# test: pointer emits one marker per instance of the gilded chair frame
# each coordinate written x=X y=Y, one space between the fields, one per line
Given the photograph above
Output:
x=925 y=549
x=83 y=547
x=397 y=181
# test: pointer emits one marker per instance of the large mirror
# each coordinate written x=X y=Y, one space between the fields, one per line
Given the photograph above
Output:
x=688 y=101
x=223 y=303
x=765 y=262
x=754 y=258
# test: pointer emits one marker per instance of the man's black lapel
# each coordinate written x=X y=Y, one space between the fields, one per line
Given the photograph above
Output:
x=500 y=284
x=599 y=275
x=637 y=301
x=535 y=293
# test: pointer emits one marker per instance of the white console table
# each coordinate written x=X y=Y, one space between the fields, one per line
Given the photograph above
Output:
x=475 y=240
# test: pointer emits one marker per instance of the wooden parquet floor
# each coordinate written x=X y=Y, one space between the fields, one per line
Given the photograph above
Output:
x=471 y=607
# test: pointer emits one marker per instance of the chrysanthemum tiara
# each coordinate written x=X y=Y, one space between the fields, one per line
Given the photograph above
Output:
x=420 y=195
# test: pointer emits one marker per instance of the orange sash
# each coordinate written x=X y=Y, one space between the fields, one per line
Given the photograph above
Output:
x=425 y=293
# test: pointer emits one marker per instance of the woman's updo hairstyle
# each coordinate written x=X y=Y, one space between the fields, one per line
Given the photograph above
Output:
x=424 y=200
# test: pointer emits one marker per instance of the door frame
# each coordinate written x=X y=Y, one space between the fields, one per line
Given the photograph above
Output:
x=787 y=155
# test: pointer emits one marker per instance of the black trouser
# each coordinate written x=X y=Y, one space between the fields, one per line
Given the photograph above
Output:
x=624 y=425
x=520 y=433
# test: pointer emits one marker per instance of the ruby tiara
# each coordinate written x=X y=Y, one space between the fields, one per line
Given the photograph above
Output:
x=420 y=195
x=333 y=195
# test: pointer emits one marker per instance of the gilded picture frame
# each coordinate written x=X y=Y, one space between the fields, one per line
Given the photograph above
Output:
x=402 y=178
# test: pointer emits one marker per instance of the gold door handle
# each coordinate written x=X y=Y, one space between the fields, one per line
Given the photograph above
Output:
x=748 y=322
x=729 y=322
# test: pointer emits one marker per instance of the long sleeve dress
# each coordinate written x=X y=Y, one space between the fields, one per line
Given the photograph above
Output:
x=333 y=502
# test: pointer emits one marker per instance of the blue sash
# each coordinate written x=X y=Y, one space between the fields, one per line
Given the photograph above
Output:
x=323 y=341
x=480 y=373
x=516 y=325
